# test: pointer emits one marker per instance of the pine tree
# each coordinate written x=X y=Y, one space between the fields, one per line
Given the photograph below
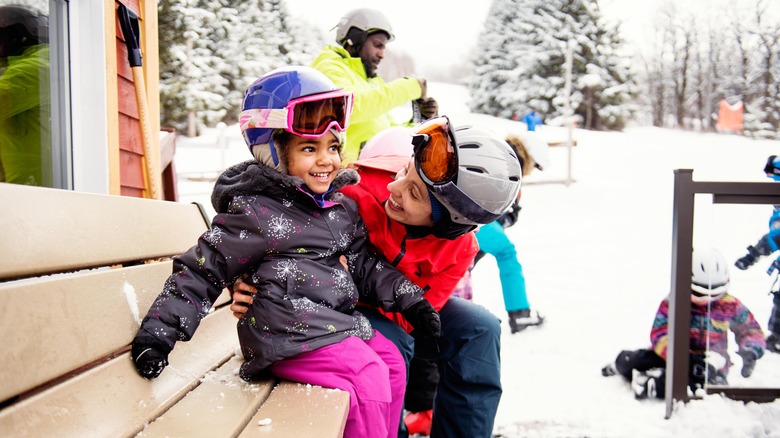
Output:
x=701 y=61
x=190 y=71
x=211 y=50
x=520 y=63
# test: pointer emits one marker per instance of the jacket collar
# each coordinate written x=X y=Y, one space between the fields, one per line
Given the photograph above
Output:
x=251 y=178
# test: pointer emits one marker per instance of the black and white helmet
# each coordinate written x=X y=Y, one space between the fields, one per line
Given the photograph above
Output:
x=489 y=177
x=21 y=27
x=709 y=274
x=364 y=21
x=34 y=22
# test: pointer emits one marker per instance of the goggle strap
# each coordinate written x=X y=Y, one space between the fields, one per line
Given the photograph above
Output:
x=454 y=197
x=263 y=118
x=418 y=141
x=273 y=151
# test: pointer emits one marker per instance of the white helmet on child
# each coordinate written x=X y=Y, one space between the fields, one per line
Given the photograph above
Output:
x=709 y=274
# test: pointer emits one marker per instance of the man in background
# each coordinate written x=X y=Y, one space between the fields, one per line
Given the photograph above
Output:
x=362 y=35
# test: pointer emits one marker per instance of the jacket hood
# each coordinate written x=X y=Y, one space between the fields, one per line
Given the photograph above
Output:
x=251 y=177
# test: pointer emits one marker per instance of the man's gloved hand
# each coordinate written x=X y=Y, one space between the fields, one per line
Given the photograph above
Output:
x=424 y=87
x=149 y=358
x=429 y=108
x=749 y=358
x=424 y=318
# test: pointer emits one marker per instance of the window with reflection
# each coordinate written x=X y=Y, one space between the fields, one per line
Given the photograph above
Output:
x=26 y=155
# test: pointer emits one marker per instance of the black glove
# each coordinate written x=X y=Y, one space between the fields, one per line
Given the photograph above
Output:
x=697 y=370
x=429 y=108
x=424 y=318
x=754 y=253
x=510 y=217
x=749 y=259
x=149 y=358
x=749 y=358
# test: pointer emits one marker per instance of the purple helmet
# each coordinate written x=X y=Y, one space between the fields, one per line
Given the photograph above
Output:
x=277 y=89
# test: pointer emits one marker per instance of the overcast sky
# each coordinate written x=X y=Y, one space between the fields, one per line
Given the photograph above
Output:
x=439 y=32
x=433 y=31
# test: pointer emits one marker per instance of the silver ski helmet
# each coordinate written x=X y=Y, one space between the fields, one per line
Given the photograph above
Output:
x=470 y=170
x=365 y=21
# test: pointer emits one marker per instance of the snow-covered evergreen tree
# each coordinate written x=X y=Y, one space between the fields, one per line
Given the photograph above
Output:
x=211 y=50
x=762 y=118
x=520 y=63
x=190 y=71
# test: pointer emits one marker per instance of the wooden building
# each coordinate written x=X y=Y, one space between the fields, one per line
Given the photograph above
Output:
x=96 y=142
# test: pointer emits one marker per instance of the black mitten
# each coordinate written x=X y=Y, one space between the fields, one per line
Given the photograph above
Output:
x=424 y=318
x=749 y=358
x=149 y=358
x=748 y=260
x=697 y=371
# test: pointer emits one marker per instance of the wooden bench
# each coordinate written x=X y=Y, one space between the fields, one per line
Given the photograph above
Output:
x=78 y=273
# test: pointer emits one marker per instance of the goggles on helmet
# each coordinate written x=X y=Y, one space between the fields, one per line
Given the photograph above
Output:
x=436 y=161
x=307 y=116
x=434 y=151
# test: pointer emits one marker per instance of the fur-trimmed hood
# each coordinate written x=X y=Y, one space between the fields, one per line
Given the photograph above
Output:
x=251 y=177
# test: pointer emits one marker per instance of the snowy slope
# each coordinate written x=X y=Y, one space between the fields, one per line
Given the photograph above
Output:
x=596 y=256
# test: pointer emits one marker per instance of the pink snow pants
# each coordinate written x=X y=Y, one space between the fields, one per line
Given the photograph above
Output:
x=373 y=372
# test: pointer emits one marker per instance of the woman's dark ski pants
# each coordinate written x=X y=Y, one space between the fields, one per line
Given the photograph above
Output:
x=468 y=350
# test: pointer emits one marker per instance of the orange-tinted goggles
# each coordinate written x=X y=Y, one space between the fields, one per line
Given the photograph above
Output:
x=435 y=156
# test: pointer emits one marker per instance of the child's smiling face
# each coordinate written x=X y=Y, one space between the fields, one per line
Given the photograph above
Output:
x=314 y=160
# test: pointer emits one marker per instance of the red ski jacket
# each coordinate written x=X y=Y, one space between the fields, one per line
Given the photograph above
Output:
x=434 y=264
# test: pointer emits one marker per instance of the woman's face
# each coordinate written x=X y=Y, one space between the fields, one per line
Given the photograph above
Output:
x=314 y=160
x=408 y=202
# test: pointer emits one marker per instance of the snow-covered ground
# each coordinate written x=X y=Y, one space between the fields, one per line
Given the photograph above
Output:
x=596 y=256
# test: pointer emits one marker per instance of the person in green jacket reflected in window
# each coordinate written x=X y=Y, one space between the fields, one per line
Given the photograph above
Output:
x=25 y=101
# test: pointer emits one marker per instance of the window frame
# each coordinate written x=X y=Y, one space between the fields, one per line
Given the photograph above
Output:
x=88 y=112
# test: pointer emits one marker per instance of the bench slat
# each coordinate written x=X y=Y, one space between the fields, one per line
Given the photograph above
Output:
x=57 y=236
x=112 y=399
x=220 y=406
x=71 y=320
x=298 y=410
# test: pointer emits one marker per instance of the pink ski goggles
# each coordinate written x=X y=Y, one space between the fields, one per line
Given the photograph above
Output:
x=308 y=116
